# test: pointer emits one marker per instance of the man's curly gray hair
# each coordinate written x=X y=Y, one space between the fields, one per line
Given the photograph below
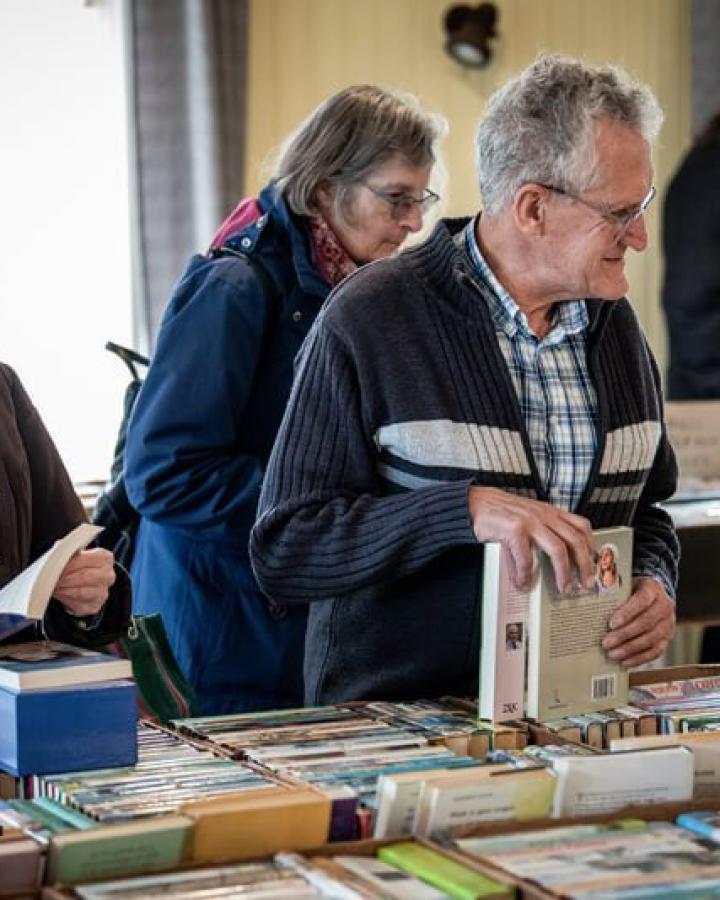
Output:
x=540 y=125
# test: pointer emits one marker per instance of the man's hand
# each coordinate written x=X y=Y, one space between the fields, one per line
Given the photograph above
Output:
x=520 y=524
x=85 y=581
x=643 y=626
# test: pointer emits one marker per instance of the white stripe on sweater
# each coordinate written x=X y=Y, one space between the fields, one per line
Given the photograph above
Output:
x=459 y=445
x=631 y=448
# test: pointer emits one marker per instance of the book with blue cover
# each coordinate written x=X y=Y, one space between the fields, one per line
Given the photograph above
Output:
x=45 y=664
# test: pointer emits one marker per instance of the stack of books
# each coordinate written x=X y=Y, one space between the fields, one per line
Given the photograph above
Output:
x=60 y=707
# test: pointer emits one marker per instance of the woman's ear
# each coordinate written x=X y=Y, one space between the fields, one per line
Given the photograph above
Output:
x=324 y=197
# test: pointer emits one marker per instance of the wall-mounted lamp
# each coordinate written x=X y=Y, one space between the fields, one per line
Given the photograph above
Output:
x=469 y=29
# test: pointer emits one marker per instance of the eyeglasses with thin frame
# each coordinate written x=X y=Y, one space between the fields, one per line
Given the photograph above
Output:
x=402 y=204
x=620 y=219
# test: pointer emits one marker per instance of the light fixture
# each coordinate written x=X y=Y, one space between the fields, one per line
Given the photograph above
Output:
x=469 y=29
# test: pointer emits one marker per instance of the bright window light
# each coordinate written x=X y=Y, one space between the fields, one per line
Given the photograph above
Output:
x=65 y=272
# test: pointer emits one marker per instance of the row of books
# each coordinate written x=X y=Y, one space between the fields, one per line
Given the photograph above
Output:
x=626 y=860
x=401 y=870
x=203 y=826
x=622 y=859
x=223 y=787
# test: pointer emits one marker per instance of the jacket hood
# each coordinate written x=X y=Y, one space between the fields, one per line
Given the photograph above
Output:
x=245 y=213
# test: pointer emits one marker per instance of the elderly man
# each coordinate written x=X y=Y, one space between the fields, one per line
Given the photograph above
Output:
x=492 y=384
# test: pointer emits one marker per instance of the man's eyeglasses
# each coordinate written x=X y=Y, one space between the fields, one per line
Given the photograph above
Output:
x=402 y=204
x=620 y=219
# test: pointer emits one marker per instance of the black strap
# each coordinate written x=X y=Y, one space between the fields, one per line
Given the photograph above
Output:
x=129 y=357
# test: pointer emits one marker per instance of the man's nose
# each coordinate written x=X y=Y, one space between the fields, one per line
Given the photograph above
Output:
x=636 y=235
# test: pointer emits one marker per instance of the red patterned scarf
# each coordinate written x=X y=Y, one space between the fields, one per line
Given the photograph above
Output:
x=331 y=258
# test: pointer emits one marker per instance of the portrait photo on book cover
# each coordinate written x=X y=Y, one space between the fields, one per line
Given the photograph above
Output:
x=607 y=576
x=514 y=636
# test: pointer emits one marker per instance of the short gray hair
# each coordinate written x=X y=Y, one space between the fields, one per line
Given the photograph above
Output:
x=347 y=137
x=540 y=125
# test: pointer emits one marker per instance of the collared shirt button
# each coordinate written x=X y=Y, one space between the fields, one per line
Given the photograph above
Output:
x=297 y=316
x=246 y=242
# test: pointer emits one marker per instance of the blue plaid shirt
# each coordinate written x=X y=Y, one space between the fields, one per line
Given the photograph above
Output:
x=552 y=383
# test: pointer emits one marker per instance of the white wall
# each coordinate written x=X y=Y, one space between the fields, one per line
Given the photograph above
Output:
x=64 y=246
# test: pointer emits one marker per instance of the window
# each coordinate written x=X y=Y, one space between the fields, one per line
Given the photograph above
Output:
x=65 y=277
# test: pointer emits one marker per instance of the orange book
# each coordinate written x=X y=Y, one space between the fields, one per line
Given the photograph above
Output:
x=257 y=824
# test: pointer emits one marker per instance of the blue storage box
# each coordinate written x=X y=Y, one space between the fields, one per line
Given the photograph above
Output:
x=89 y=726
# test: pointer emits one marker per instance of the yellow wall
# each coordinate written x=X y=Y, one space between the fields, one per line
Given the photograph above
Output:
x=303 y=50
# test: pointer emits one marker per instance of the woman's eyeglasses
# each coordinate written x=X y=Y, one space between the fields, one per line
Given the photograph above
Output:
x=402 y=204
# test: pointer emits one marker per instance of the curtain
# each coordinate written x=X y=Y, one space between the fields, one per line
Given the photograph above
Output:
x=186 y=74
x=705 y=55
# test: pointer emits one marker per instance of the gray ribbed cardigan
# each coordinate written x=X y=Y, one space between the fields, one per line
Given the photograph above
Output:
x=402 y=400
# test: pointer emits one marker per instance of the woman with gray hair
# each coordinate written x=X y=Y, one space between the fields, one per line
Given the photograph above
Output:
x=350 y=186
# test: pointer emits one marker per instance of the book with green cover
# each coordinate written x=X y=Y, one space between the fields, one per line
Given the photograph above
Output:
x=114 y=850
x=72 y=817
x=442 y=872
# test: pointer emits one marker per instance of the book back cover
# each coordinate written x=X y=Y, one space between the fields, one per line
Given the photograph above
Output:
x=568 y=671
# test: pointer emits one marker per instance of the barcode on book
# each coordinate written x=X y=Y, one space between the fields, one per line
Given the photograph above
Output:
x=603 y=687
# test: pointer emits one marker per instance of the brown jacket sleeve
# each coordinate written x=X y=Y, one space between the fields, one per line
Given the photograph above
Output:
x=40 y=506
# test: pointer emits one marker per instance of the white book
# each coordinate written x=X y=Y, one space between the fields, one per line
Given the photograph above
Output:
x=398 y=794
x=502 y=649
x=29 y=593
x=47 y=664
x=607 y=782
x=517 y=794
x=706 y=757
x=568 y=672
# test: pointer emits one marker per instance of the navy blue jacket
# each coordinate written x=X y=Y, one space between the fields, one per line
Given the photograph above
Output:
x=198 y=443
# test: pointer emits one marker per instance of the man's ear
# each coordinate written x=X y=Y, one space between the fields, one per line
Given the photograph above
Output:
x=529 y=208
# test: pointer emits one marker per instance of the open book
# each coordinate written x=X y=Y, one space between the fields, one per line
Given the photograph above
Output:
x=29 y=593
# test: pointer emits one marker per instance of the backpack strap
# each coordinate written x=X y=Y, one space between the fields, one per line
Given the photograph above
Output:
x=271 y=292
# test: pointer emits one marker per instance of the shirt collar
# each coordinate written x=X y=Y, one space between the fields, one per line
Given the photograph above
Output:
x=569 y=317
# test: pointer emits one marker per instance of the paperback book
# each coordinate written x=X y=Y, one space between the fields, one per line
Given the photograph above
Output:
x=502 y=650
x=28 y=594
x=568 y=671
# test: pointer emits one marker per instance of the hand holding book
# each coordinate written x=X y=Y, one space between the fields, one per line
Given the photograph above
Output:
x=523 y=525
x=85 y=582
x=641 y=627
x=28 y=594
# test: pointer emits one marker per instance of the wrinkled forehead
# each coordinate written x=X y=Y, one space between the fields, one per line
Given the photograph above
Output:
x=622 y=162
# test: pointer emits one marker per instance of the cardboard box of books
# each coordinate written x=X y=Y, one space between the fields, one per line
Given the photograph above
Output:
x=398 y=868
x=534 y=855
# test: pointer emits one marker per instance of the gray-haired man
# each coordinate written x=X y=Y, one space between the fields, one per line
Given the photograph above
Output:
x=490 y=384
